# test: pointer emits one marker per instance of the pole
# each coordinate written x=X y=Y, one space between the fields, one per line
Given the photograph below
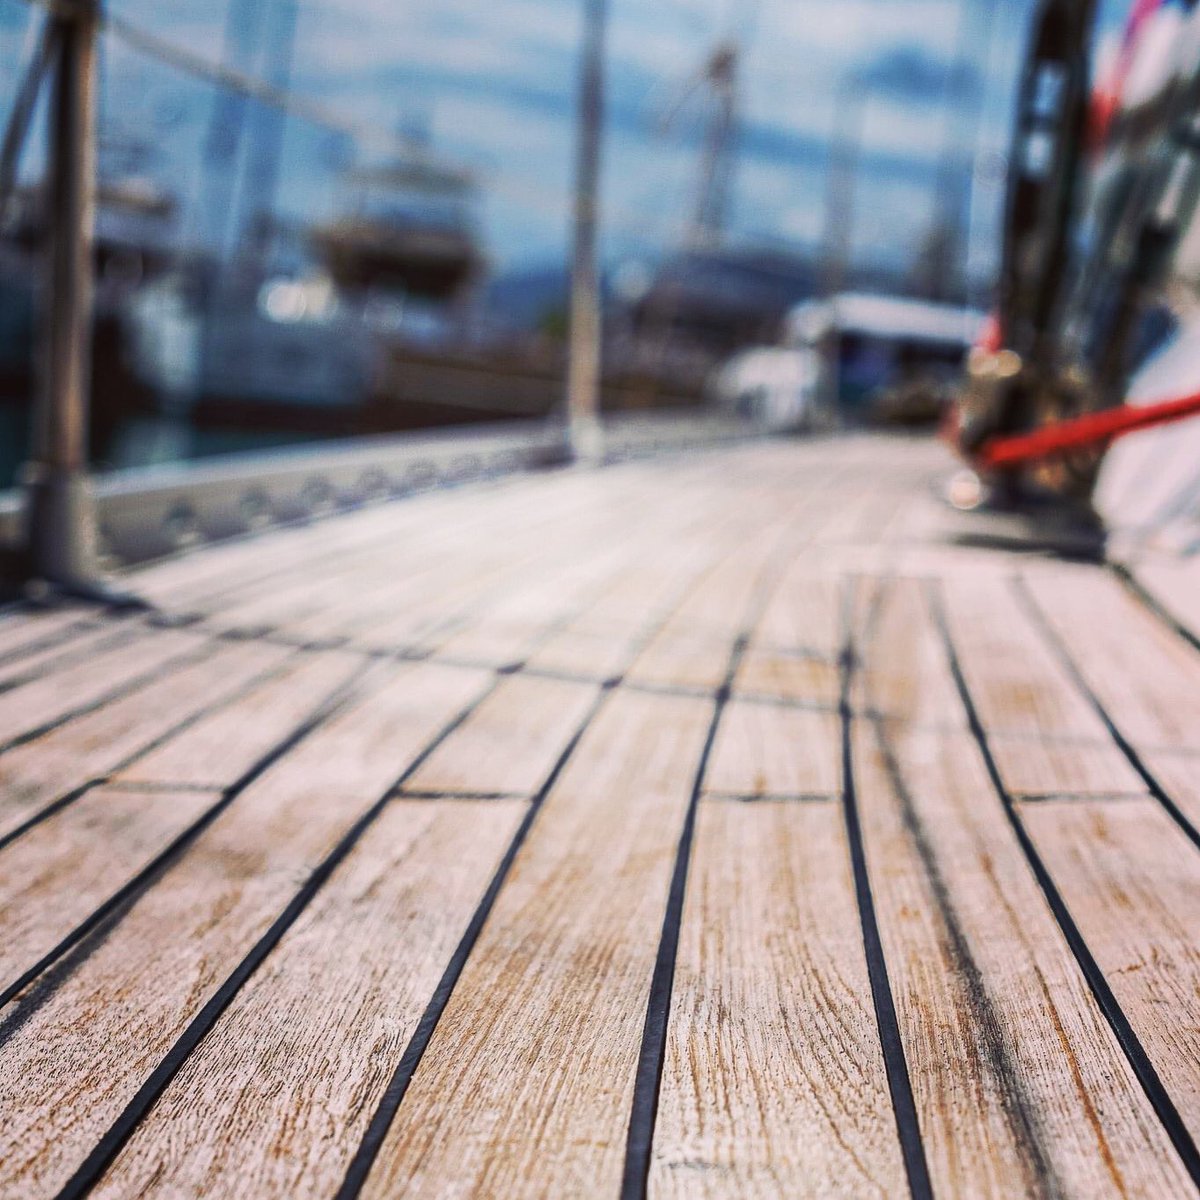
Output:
x=584 y=349
x=61 y=527
x=841 y=183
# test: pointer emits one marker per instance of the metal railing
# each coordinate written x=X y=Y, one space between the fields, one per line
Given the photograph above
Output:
x=145 y=513
x=69 y=531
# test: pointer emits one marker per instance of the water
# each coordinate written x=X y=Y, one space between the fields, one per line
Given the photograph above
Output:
x=143 y=441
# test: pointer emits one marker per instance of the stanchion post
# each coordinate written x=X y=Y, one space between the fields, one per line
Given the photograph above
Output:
x=585 y=333
x=61 y=536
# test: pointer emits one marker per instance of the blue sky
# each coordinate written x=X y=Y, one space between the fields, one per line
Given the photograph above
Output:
x=493 y=83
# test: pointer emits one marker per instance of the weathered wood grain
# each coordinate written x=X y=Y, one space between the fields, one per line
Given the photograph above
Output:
x=1175 y=585
x=1018 y=683
x=23 y=629
x=692 y=648
x=1147 y=678
x=129 y=995
x=911 y=681
x=1021 y=1088
x=41 y=702
x=326 y=1016
x=1132 y=882
x=773 y=1083
x=67 y=866
x=1179 y=774
x=796 y=678
x=768 y=750
x=525 y=1088
x=220 y=747
x=510 y=743
x=1033 y=766
x=44 y=660
x=39 y=772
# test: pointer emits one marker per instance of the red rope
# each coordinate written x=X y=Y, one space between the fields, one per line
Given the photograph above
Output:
x=1088 y=430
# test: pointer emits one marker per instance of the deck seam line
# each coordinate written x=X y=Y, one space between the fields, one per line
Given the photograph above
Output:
x=652 y=1051
x=148 y=874
x=107 y=777
x=887 y=1023
x=647 y=1087
x=1151 y=602
x=90 y=1171
x=1135 y=1054
x=361 y=1164
x=48 y=641
x=393 y=1095
x=70 y=656
x=183 y=659
x=1067 y=661
x=770 y=797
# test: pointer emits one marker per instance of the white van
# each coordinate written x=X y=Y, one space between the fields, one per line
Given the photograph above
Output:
x=882 y=357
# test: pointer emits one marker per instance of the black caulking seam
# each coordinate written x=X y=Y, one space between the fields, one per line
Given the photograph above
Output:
x=1067 y=660
x=69 y=656
x=118 y=693
x=393 y=1095
x=1019 y=1113
x=143 y=879
x=643 y=1116
x=647 y=1085
x=50 y=809
x=433 y=795
x=1118 y=1022
x=895 y=1061
x=105 y=777
x=110 y=1144
x=48 y=641
x=772 y=797
x=1078 y=797
x=1150 y=601
x=150 y=786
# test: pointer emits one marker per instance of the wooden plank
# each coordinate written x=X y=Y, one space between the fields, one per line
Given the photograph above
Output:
x=38 y=662
x=766 y=750
x=1179 y=774
x=92 y=746
x=804 y=615
x=692 y=649
x=41 y=702
x=347 y=577
x=510 y=743
x=1148 y=678
x=1175 y=584
x=218 y=749
x=30 y=628
x=554 y=994
x=1018 y=683
x=97 y=844
x=600 y=641
x=773 y=1083
x=1020 y=1086
x=115 y=1015
x=911 y=681
x=328 y=1012
x=1039 y=767
x=1132 y=882
x=794 y=678
x=446 y=567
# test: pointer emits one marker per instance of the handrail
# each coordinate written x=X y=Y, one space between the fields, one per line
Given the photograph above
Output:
x=146 y=513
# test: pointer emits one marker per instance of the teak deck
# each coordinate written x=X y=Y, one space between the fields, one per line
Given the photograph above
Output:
x=718 y=826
